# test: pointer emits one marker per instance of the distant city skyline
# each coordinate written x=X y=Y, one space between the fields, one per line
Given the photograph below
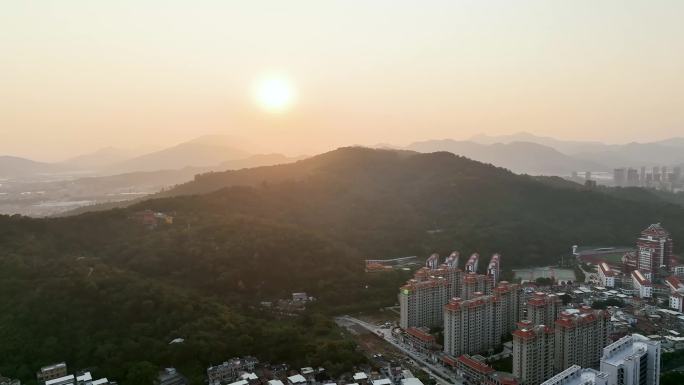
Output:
x=308 y=76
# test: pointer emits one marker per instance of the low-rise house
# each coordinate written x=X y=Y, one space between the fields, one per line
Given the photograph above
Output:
x=50 y=372
x=297 y=379
x=170 y=376
x=9 y=381
x=230 y=370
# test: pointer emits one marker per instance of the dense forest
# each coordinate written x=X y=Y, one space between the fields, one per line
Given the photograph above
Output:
x=101 y=290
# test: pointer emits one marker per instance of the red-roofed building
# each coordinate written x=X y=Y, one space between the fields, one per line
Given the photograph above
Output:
x=420 y=339
x=543 y=309
x=606 y=275
x=580 y=337
x=476 y=325
x=673 y=283
x=533 y=349
x=642 y=284
x=473 y=372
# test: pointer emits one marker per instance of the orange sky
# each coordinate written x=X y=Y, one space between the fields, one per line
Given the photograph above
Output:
x=79 y=75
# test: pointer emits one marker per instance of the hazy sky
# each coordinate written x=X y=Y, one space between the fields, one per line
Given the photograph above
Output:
x=78 y=75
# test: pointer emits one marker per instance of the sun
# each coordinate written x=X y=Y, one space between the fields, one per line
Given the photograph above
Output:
x=274 y=93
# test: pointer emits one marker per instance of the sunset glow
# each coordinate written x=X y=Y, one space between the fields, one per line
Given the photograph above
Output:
x=274 y=93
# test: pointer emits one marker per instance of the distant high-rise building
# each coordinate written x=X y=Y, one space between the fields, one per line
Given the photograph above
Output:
x=654 y=249
x=580 y=335
x=632 y=177
x=642 y=176
x=533 y=350
x=632 y=360
x=620 y=177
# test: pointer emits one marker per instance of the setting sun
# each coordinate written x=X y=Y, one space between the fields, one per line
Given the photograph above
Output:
x=274 y=93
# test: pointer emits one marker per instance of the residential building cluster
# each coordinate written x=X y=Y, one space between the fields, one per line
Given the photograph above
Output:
x=557 y=337
x=422 y=299
x=249 y=371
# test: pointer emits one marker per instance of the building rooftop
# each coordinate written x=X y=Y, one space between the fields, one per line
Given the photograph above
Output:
x=61 y=380
x=624 y=348
x=575 y=375
x=411 y=381
x=297 y=379
x=475 y=365
x=639 y=276
x=360 y=376
x=53 y=366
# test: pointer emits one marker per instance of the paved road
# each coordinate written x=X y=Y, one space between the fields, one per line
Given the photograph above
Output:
x=440 y=374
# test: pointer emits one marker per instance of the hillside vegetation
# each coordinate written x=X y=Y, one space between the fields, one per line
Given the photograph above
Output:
x=102 y=290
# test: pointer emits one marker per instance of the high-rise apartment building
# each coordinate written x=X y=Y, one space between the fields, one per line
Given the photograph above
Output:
x=421 y=302
x=493 y=269
x=543 y=309
x=533 y=350
x=471 y=265
x=476 y=283
x=581 y=334
x=469 y=326
x=478 y=324
x=509 y=301
x=632 y=360
x=654 y=249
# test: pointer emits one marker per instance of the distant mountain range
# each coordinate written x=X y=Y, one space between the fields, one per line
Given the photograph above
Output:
x=667 y=152
x=519 y=157
x=111 y=175
x=16 y=167
x=210 y=151
x=528 y=153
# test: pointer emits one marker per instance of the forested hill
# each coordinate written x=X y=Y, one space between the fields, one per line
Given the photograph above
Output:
x=102 y=290
x=386 y=203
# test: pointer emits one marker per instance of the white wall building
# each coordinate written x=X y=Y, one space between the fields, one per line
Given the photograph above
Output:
x=641 y=284
x=632 y=360
x=606 y=275
x=576 y=375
